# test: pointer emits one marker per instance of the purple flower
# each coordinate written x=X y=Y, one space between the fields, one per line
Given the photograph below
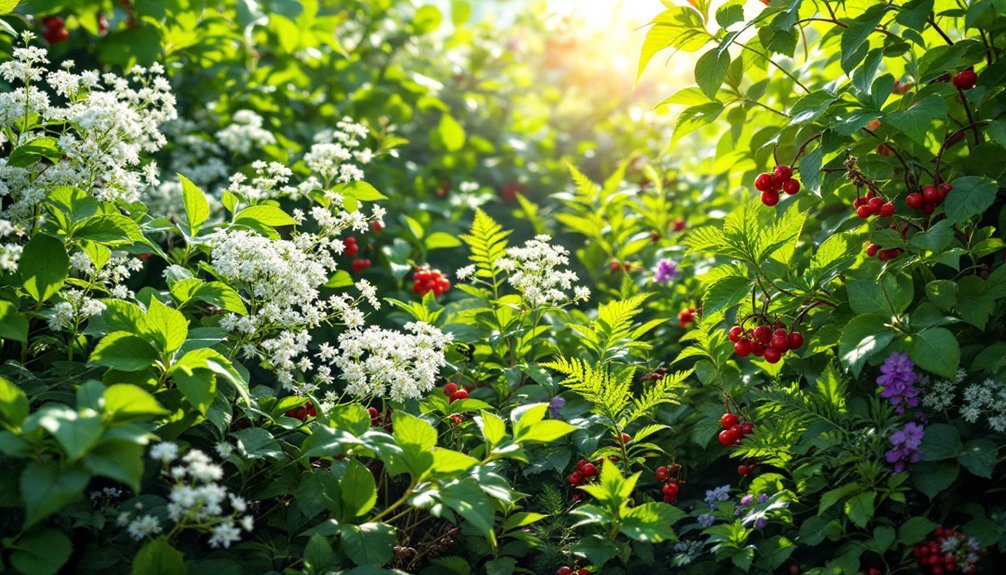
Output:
x=897 y=381
x=762 y=498
x=665 y=271
x=747 y=499
x=760 y=523
x=554 y=405
x=906 y=442
x=706 y=520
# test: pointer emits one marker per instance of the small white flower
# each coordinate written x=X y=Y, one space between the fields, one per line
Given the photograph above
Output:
x=165 y=452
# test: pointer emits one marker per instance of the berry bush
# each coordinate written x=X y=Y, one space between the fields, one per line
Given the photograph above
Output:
x=392 y=286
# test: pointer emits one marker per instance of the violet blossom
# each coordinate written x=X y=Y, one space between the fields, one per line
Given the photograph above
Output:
x=906 y=442
x=665 y=271
x=897 y=381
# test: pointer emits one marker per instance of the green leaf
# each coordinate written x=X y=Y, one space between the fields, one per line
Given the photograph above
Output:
x=935 y=349
x=543 y=431
x=710 y=70
x=158 y=557
x=970 y=197
x=118 y=460
x=725 y=293
x=914 y=530
x=979 y=456
x=46 y=488
x=932 y=477
x=263 y=214
x=125 y=400
x=41 y=552
x=197 y=384
x=862 y=337
x=651 y=522
x=450 y=462
x=124 y=351
x=168 y=325
x=451 y=133
x=43 y=267
x=440 y=240
x=13 y=404
x=7 y=6
x=677 y=27
x=417 y=439
x=856 y=35
x=943 y=293
x=13 y=324
x=197 y=209
x=75 y=433
x=915 y=122
x=860 y=507
x=258 y=443
x=359 y=491
x=695 y=117
x=810 y=107
x=890 y=296
x=469 y=501
x=492 y=426
x=369 y=543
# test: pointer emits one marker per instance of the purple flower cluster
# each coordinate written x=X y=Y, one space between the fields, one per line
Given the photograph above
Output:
x=906 y=442
x=555 y=406
x=665 y=271
x=897 y=381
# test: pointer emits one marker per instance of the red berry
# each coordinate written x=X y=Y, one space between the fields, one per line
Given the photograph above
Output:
x=589 y=470
x=770 y=198
x=661 y=473
x=614 y=266
x=791 y=187
x=875 y=204
x=360 y=264
x=779 y=343
x=763 y=182
x=459 y=395
x=795 y=340
x=728 y=420
x=928 y=209
x=626 y=438
x=747 y=428
x=872 y=249
x=887 y=210
x=376 y=226
x=864 y=212
x=772 y=355
x=734 y=335
x=350 y=249
x=763 y=333
x=564 y=570
x=583 y=572
x=450 y=389
x=56 y=35
x=758 y=348
x=743 y=470
x=670 y=489
x=726 y=437
x=945 y=188
x=914 y=200
x=679 y=225
x=965 y=79
x=858 y=202
x=783 y=173
x=742 y=347
x=930 y=194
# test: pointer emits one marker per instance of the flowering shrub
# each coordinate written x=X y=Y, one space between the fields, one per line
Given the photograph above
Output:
x=335 y=287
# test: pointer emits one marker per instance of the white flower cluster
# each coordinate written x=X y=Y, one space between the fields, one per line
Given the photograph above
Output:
x=10 y=253
x=336 y=153
x=245 y=133
x=105 y=124
x=988 y=400
x=383 y=363
x=75 y=307
x=197 y=501
x=534 y=271
x=268 y=183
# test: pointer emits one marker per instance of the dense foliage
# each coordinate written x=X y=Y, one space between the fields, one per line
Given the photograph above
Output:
x=366 y=286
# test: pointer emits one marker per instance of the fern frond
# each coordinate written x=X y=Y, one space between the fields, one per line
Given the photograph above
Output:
x=666 y=390
x=488 y=242
x=614 y=333
x=609 y=393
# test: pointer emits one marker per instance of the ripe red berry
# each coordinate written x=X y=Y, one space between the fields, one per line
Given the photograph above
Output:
x=614 y=266
x=858 y=202
x=757 y=348
x=783 y=173
x=795 y=340
x=450 y=389
x=864 y=212
x=772 y=355
x=575 y=478
x=747 y=428
x=945 y=188
x=763 y=182
x=734 y=335
x=779 y=343
x=928 y=209
x=887 y=210
x=661 y=473
x=743 y=470
x=791 y=187
x=914 y=200
x=930 y=194
x=670 y=489
x=763 y=333
x=583 y=572
x=875 y=204
x=742 y=347
x=965 y=79
x=373 y=412
x=589 y=470
x=770 y=198
x=360 y=264
x=726 y=438
x=679 y=225
x=728 y=420
x=626 y=438
x=564 y=570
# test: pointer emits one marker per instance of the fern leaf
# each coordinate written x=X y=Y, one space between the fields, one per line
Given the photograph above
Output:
x=488 y=242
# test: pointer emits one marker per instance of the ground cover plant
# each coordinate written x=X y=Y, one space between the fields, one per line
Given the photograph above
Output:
x=359 y=286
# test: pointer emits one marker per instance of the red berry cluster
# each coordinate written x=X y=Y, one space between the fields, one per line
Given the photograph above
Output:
x=376 y=226
x=872 y=205
x=585 y=473
x=930 y=198
x=566 y=570
x=360 y=264
x=733 y=430
x=303 y=412
x=770 y=184
x=948 y=551
x=378 y=419
x=748 y=467
x=427 y=280
x=670 y=484
x=889 y=254
x=656 y=375
x=685 y=317
x=55 y=30
x=965 y=79
x=349 y=249
x=762 y=341
x=615 y=265
x=454 y=393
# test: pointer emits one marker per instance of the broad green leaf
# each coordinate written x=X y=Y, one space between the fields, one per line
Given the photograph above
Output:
x=359 y=491
x=43 y=267
x=651 y=522
x=124 y=400
x=13 y=404
x=75 y=433
x=367 y=544
x=197 y=209
x=41 y=552
x=860 y=508
x=158 y=557
x=168 y=325
x=46 y=488
x=936 y=350
x=970 y=197
x=13 y=324
x=124 y=351
x=492 y=426
x=979 y=456
x=932 y=477
x=862 y=337
x=263 y=214
x=710 y=70
x=451 y=133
